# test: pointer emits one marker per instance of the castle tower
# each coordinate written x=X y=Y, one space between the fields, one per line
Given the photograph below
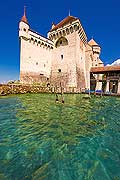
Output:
x=69 y=53
x=96 y=51
x=23 y=37
x=23 y=26
x=35 y=54
x=96 y=62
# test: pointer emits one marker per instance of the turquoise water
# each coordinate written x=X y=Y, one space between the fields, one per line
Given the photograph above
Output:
x=44 y=140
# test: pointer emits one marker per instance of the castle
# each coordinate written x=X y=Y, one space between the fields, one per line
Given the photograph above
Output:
x=63 y=59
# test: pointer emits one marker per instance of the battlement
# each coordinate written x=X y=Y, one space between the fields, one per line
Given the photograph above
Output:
x=39 y=40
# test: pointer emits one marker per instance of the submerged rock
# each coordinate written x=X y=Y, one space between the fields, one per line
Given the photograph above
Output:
x=2 y=176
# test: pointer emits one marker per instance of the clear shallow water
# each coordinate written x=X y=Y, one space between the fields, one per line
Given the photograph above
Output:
x=42 y=140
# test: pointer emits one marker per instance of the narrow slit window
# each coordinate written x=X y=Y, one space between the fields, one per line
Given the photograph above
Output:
x=61 y=56
x=59 y=70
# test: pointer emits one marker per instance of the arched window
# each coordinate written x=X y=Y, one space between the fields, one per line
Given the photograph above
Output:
x=62 y=41
x=59 y=70
x=71 y=29
x=67 y=31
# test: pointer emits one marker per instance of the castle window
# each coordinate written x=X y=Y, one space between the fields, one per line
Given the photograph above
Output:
x=64 y=32
x=61 y=56
x=71 y=29
x=75 y=27
x=59 y=70
x=24 y=29
x=51 y=37
x=67 y=31
x=36 y=63
x=62 y=41
x=44 y=65
x=60 y=33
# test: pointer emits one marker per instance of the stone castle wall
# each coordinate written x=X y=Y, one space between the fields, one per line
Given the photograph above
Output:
x=70 y=59
x=63 y=59
x=7 y=89
x=35 y=60
x=35 y=56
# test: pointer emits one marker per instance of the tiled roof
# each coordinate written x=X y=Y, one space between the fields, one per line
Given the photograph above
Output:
x=24 y=19
x=104 y=69
x=92 y=43
x=64 y=22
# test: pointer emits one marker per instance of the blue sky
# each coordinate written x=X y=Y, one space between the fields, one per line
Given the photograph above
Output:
x=100 y=19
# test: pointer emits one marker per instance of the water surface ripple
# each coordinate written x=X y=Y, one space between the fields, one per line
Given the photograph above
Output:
x=44 y=140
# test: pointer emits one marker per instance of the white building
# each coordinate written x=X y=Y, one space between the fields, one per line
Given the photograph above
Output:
x=64 y=58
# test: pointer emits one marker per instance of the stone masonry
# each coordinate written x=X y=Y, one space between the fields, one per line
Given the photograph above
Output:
x=63 y=59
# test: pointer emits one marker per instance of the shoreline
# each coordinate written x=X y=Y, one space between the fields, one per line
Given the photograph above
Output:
x=14 y=89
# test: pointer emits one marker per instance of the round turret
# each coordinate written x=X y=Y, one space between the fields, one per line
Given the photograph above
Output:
x=24 y=26
x=95 y=47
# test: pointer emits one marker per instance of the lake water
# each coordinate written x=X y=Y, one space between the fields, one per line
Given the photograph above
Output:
x=44 y=140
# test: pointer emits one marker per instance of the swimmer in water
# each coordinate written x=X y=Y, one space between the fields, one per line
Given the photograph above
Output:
x=56 y=100
x=62 y=100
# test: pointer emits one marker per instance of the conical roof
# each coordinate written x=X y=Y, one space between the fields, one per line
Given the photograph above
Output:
x=99 y=61
x=92 y=42
x=24 y=18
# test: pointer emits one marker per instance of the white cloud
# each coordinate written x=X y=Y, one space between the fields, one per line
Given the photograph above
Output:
x=115 y=63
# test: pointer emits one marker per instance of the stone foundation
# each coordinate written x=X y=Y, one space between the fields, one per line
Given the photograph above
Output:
x=22 y=89
x=7 y=89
